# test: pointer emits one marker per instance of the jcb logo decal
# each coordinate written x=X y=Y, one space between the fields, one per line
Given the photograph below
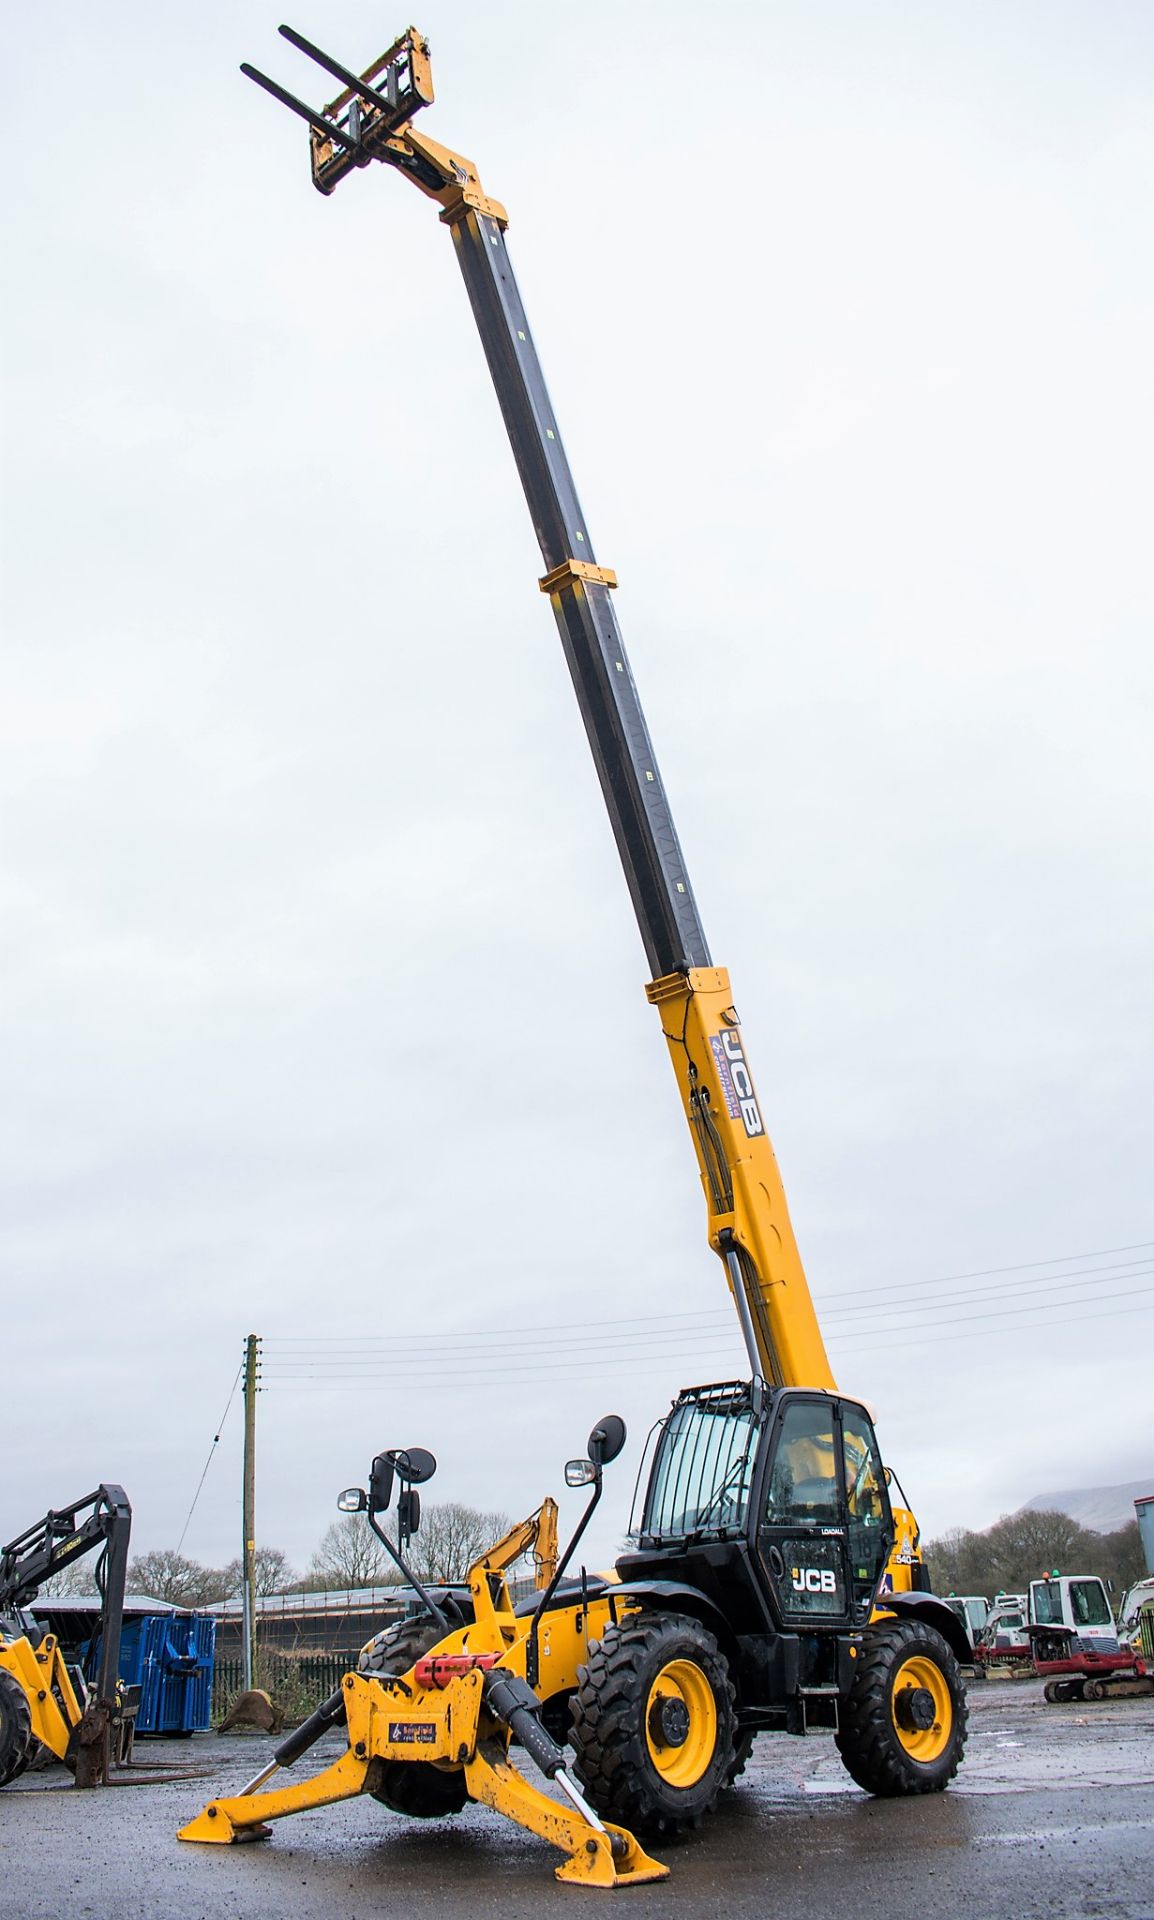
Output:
x=736 y=1080
x=814 y=1579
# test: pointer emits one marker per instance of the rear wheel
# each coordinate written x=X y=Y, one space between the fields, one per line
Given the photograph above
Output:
x=654 y=1726
x=903 y=1725
x=415 y=1787
x=17 y=1743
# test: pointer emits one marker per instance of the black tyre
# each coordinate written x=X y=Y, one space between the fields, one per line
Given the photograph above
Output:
x=903 y=1725
x=415 y=1787
x=741 y=1752
x=654 y=1725
x=17 y=1742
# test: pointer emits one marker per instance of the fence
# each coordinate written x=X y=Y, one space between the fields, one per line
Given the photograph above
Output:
x=297 y=1685
x=300 y=1624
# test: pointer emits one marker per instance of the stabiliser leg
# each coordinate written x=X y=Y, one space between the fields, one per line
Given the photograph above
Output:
x=600 y=1855
x=243 y=1817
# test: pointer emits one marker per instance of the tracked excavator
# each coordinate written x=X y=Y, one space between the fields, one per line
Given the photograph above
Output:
x=775 y=1584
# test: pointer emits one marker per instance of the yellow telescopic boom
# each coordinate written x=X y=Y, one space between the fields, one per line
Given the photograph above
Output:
x=749 y=1226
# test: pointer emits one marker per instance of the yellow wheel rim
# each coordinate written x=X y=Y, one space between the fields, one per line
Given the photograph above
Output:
x=681 y=1723
x=913 y=1681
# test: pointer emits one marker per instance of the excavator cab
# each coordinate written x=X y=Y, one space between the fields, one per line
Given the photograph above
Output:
x=795 y=1477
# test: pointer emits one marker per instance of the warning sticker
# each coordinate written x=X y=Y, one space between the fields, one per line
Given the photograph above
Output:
x=728 y=1090
x=735 y=1080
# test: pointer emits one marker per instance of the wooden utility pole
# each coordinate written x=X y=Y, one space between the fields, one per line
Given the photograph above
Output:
x=248 y=1562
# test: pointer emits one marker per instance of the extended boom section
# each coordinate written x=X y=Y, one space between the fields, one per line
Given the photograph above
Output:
x=749 y=1226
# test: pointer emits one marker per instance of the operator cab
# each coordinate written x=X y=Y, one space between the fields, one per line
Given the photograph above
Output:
x=789 y=1481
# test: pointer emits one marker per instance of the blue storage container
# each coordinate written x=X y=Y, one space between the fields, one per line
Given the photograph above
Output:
x=169 y=1656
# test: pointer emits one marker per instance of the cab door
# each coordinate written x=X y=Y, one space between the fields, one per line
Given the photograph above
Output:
x=825 y=1527
x=869 y=1517
x=801 y=1534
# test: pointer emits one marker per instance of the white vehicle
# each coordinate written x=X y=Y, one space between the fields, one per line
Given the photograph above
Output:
x=972 y=1609
x=1005 y=1640
x=1075 y=1638
x=1141 y=1594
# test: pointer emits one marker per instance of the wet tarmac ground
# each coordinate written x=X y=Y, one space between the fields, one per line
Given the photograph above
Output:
x=1051 y=1815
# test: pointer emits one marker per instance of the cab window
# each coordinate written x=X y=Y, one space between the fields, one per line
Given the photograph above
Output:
x=1089 y=1604
x=863 y=1473
x=1045 y=1603
x=803 y=1484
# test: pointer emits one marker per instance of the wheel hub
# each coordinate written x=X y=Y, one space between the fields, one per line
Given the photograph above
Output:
x=914 y=1709
x=669 y=1722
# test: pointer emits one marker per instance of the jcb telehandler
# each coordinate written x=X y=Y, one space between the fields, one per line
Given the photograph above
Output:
x=42 y=1702
x=774 y=1586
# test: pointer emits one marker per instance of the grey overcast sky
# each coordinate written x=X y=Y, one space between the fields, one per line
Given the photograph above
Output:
x=323 y=1012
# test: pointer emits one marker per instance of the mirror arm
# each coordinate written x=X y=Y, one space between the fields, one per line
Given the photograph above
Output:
x=426 y=1598
x=532 y=1659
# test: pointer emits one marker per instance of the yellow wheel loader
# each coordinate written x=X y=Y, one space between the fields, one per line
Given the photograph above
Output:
x=44 y=1702
x=775 y=1585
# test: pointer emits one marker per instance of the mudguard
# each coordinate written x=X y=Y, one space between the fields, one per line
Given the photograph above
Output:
x=933 y=1613
x=677 y=1596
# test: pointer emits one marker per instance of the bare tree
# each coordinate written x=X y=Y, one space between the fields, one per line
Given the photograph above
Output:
x=79 y=1576
x=450 y=1537
x=350 y=1555
x=273 y=1573
x=171 y=1576
x=1024 y=1546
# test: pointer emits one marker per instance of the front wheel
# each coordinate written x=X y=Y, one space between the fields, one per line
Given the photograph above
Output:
x=654 y=1725
x=903 y=1724
x=17 y=1744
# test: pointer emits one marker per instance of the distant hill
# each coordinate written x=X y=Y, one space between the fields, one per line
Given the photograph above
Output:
x=1103 y=1509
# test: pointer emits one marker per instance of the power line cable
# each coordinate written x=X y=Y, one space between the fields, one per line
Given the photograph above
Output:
x=517 y=1346
x=990 y=1313
x=639 y=1368
x=332 y=1377
x=983 y=1273
x=211 y=1452
x=978 y=1333
x=859 y=1296
x=1055 y=1283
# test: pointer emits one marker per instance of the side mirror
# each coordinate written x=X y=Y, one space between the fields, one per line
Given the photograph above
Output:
x=353 y=1500
x=414 y=1465
x=408 y=1514
x=605 y=1441
x=580 y=1473
x=381 y=1484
